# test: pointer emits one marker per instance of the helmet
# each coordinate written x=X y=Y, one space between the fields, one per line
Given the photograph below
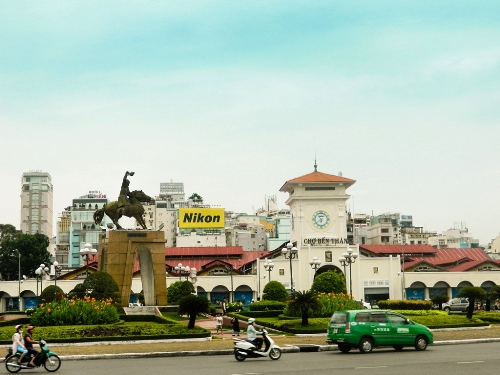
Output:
x=30 y=328
x=251 y=320
x=18 y=327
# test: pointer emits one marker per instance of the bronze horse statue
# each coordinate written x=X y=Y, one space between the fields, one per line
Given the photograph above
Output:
x=133 y=209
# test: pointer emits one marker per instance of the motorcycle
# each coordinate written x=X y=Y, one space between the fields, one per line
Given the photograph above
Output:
x=46 y=358
x=245 y=349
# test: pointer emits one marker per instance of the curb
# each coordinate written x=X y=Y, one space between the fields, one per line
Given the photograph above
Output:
x=287 y=349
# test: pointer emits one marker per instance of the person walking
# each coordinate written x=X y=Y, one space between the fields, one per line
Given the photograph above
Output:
x=218 y=324
x=236 y=326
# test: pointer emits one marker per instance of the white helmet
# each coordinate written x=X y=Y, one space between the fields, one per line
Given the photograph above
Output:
x=251 y=320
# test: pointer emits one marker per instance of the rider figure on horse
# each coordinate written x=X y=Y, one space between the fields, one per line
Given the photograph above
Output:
x=124 y=192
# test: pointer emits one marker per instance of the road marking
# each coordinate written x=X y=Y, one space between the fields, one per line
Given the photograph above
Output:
x=369 y=367
x=471 y=362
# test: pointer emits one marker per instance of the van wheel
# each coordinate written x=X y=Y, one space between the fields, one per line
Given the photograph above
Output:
x=421 y=343
x=344 y=348
x=447 y=309
x=366 y=345
x=398 y=348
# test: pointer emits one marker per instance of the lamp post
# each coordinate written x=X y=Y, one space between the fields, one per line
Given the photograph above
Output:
x=230 y=269
x=403 y=271
x=182 y=271
x=350 y=257
x=57 y=272
x=291 y=252
x=19 y=279
x=41 y=272
x=315 y=263
x=269 y=265
x=85 y=253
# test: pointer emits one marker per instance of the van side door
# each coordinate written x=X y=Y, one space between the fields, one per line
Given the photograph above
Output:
x=380 y=328
x=401 y=332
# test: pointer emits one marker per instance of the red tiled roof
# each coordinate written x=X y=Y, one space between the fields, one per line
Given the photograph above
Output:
x=319 y=177
x=204 y=251
x=398 y=249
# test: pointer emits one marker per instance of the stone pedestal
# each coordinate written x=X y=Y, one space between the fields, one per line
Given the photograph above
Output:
x=117 y=252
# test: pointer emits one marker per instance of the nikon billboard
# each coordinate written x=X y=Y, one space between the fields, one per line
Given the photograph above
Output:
x=201 y=218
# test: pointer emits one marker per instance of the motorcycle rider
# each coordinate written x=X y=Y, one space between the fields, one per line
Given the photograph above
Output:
x=17 y=343
x=252 y=334
x=28 y=342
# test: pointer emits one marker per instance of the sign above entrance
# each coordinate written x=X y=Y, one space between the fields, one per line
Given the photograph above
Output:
x=322 y=241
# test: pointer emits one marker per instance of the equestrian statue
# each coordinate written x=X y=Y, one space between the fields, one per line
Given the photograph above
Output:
x=128 y=204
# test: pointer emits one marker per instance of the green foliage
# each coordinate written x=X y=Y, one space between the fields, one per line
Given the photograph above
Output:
x=32 y=249
x=108 y=332
x=329 y=282
x=178 y=290
x=473 y=293
x=52 y=293
x=75 y=312
x=8 y=230
x=405 y=304
x=234 y=306
x=330 y=302
x=193 y=305
x=102 y=286
x=275 y=291
x=78 y=291
x=302 y=303
x=267 y=305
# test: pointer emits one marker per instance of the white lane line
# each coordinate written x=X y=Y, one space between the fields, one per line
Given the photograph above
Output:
x=471 y=362
x=369 y=367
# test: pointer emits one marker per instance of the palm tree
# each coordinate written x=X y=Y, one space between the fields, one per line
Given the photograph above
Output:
x=303 y=302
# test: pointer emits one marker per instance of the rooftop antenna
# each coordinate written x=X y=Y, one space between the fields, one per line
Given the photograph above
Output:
x=315 y=164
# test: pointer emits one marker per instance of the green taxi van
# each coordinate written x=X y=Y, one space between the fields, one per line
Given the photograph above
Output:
x=367 y=329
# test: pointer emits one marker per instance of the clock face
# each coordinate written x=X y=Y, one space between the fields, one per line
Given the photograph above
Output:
x=320 y=219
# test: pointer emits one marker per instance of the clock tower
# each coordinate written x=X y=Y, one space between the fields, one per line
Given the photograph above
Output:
x=317 y=207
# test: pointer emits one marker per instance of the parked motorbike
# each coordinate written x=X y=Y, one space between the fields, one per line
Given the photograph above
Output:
x=46 y=358
x=246 y=349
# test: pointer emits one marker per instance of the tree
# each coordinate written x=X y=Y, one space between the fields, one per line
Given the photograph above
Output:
x=178 y=290
x=329 y=282
x=196 y=198
x=275 y=291
x=51 y=293
x=193 y=305
x=32 y=251
x=439 y=299
x=7 y=230
x=473 y=293
x=303 y=302
x=103 y=286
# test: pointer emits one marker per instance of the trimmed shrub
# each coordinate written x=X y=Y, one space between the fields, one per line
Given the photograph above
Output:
x=405 y=304
x=275 y=291
x=329 y=282
x=267 y=305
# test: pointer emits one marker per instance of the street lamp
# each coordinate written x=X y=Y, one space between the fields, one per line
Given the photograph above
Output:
x=85 y=253
x=41 y=272
x=230 y=269
x=290 y=252
x=349 y=258
x=19 y=274
x=315 y=263
x=343 y=263
x=269 y=265
x=182 y=271
x=57 y=271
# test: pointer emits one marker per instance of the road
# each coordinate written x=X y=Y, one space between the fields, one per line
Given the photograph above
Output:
x=462 y=359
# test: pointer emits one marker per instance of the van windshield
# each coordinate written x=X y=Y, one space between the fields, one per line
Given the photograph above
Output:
x=339 y=318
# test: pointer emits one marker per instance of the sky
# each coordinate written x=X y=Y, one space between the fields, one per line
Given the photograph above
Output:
x=234 y=98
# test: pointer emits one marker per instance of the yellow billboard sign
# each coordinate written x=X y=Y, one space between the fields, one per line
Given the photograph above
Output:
x=201 y=218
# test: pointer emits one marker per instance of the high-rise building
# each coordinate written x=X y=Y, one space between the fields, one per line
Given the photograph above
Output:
x=36 y=203
x=83 y=229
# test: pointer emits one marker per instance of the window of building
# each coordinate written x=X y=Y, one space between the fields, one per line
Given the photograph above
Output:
x=385 y=230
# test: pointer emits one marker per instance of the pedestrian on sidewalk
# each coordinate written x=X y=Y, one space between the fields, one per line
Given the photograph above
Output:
x=218 y=324
x=236 y=326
